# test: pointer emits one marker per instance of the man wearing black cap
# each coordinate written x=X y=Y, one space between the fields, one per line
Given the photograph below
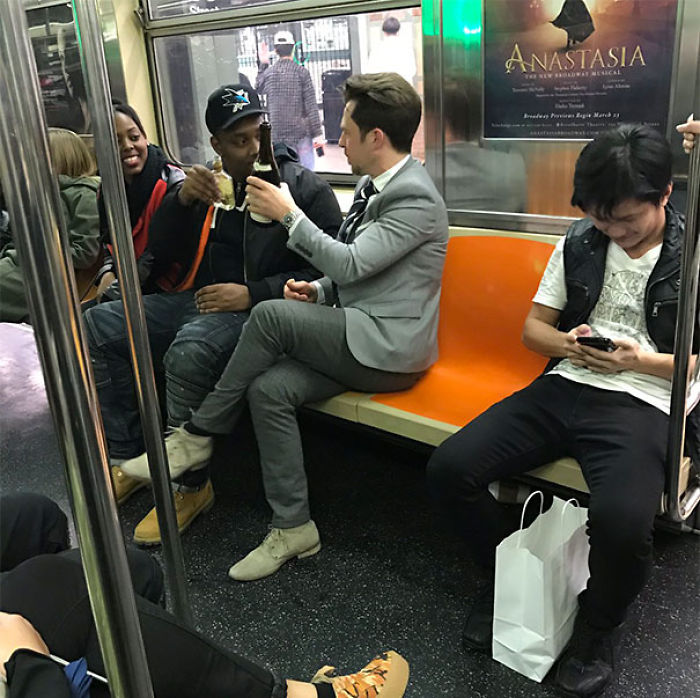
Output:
x=219 y=264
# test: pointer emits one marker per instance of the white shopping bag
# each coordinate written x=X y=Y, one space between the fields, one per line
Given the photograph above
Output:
x=540 y=571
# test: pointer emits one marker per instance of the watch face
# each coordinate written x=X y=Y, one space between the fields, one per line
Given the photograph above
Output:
x=288 y=219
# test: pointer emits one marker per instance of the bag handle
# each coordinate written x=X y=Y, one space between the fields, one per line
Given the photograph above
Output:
x=522 y=515
x=573 y=502
x=569 y=502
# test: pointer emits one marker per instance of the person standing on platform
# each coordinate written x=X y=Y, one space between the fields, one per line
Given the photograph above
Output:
x=291 y=101
x=394 y=53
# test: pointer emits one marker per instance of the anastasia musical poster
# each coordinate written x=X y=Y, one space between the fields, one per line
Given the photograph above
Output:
x=569 y=69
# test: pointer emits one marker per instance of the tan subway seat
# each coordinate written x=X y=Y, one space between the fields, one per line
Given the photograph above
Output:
x=360 y=408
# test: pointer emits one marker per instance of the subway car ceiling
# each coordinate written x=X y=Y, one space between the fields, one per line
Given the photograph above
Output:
x=508 y=105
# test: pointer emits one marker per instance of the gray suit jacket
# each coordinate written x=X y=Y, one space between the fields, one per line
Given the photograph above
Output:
x=388 y=274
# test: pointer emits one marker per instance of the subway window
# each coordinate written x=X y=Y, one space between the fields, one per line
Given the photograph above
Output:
x=321 y=52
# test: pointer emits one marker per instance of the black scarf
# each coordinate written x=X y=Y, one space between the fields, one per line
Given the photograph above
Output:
x=139 y=191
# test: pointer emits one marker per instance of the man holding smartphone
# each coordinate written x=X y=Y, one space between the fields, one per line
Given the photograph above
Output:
x=605 y=315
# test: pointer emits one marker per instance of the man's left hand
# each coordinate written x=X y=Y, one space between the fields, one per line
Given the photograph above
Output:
x=624 y=358
x=267 y=200
x=222 y=298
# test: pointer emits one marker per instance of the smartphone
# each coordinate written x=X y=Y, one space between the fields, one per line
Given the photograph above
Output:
x=602 y=343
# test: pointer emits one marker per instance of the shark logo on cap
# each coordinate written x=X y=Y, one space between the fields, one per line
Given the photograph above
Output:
x=236 y=99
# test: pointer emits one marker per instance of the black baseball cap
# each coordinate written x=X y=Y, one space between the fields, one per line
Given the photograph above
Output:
x=229 y=104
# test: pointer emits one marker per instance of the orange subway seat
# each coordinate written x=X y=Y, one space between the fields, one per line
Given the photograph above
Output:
x=487 y=289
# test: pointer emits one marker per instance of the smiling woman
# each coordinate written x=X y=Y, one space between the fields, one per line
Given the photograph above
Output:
x=147 y=177
x=132 y=141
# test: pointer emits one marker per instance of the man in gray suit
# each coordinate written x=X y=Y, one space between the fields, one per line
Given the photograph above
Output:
x=369 y=324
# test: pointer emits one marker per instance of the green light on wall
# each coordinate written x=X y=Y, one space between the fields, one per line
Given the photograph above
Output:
x=461 y=20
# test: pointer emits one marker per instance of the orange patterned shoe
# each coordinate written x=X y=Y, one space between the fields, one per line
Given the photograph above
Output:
x=385 y=676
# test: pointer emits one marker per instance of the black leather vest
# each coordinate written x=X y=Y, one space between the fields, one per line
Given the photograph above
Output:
x=585 y=252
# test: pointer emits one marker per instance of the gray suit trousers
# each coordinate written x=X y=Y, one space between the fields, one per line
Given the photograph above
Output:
x=290 y=353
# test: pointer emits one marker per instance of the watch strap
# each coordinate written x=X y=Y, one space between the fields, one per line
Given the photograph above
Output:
x=289 y=218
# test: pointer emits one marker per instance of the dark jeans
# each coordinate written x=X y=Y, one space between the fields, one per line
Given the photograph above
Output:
x=32 y=525
x=191 y=349
x=620 y=443
x=50 y=591
x=305 y=151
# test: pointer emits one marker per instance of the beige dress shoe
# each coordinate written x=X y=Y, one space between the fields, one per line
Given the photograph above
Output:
x=188 y=506
x=280 y=545
x=185 y=452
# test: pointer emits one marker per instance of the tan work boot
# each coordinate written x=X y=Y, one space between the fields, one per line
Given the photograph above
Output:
x=280 y=545
x=385 y=676
x=124 y=486
x=188 y=506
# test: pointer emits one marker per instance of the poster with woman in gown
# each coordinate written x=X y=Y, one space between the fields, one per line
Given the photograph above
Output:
x=569 y=69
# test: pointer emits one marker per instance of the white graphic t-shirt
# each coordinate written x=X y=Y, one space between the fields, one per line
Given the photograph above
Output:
x=619 y=313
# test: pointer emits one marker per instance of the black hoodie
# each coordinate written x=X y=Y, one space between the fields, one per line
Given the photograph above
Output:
x=239 y=250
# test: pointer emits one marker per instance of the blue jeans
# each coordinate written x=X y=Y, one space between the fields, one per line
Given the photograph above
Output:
x=190 y=349
x=305 y=151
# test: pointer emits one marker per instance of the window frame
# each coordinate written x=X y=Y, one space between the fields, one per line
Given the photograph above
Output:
x=224 y=20
x=263 y=13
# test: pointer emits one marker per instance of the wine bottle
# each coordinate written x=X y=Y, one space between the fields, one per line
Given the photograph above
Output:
x=265 y=166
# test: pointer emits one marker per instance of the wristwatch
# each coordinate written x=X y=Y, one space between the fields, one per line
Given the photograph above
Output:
x=290 y=217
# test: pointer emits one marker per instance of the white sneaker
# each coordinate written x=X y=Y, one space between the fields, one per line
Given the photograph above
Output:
x=280 y=545
x=185 y=452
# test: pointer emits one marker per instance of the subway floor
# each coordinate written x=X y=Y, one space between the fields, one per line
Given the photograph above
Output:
x=390 y=575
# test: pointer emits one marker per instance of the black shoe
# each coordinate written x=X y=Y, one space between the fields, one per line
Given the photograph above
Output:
x=478 y=629
x=587 y=664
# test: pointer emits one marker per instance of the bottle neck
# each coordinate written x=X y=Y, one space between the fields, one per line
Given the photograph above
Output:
x=266 y=155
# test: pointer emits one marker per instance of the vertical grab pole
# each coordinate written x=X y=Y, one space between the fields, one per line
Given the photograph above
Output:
x=680 y=508
x=99 y=99
x=33 y=201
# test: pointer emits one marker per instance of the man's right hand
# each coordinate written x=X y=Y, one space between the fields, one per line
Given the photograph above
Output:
x=300 y=291
x=17 y=633
x=574 y=351
x=689 y=129
x=199 y=184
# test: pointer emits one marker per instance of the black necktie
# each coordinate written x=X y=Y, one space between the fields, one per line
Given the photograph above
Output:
x=357 y=210
x=352 y=221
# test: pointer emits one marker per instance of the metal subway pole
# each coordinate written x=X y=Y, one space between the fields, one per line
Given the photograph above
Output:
x=99 y=99
x=679 y=508
x=33 y=200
